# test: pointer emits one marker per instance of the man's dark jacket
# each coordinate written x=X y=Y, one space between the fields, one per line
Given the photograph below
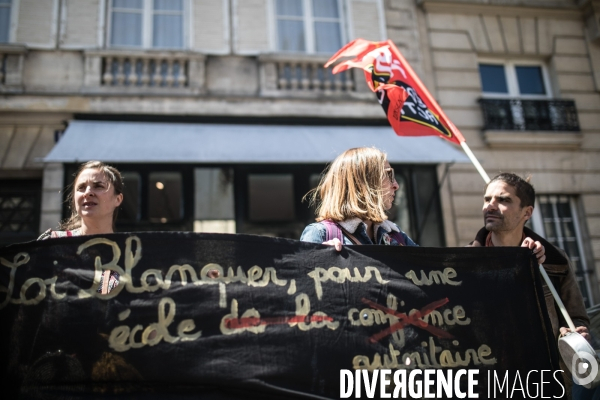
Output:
x=560 y=270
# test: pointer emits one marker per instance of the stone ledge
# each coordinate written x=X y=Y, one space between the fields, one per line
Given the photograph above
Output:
x=145 y=53
x=528 y=9
x=8 y=48
x=533 y=139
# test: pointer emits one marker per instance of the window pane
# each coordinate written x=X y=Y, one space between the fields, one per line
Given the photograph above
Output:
x=19 y=210
x=17 y=213
x=139 y=4
x=290 y=8
x=325 y=8
x=493 y=78
x=399 y=213
x=559 y=222
x=126 y=29
x=327 y=37
x=130 y=207
x=165 y=197
x=173 y=5
x=572 y=249
x=530 y=80
x=271 y=197
x=427 y=224
x=168 y=31
x=563 y=208
x=4 y=24
x=290 y=35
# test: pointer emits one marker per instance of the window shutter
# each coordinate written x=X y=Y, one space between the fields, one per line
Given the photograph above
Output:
x=251 y=26
x=37 y=23
x=366 y=20
x=79 y=28
x=210 y=26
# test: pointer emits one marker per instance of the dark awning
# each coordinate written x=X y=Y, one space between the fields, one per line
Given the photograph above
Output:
x=145 y=142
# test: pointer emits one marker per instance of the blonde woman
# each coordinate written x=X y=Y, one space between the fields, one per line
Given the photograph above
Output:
x=94 y=199
x=352 y=198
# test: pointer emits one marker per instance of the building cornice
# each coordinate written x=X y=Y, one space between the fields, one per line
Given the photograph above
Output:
x=8 y=48
x=476 y=8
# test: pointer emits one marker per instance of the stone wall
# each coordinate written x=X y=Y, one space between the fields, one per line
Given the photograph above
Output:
x=56 y=67
x=559 y=163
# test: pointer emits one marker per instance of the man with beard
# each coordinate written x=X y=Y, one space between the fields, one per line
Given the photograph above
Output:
x=507 y=205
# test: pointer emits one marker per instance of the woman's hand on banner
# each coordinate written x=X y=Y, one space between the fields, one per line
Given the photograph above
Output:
x=335 y=242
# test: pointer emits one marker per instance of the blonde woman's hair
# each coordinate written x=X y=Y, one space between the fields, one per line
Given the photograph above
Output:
x=116 y=182
x=351 y=187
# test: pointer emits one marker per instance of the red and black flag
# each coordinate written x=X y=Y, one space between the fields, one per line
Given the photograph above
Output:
x=410 y=108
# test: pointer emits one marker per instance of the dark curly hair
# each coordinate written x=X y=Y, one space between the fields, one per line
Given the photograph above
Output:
x=523 y=189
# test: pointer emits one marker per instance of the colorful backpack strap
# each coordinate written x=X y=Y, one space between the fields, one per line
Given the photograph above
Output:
x=332 y=230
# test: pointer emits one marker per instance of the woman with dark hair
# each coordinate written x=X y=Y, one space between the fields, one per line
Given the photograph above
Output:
x=352 y=199
x=94 y=200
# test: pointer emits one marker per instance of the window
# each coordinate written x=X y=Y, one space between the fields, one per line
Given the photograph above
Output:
x=164 y=197
x=148 y=23
x=271 y=197
x=268 y=198
x=130 y=207
x=5 y=6
x=311 y=26
x=20 y=202
x=417 y=209
x=510 y=79
x=555 y=218
x=517 y=97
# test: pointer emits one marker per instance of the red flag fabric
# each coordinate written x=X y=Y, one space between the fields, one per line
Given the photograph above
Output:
x=410 y=108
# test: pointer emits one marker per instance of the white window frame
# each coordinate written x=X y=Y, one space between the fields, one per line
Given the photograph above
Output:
x=512 y=82
x=537 y=222
x=8 y=28
x=309 y=27
x=147 y=26
x=13 y=22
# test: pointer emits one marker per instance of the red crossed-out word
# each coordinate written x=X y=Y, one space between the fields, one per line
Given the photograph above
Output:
x=248 y=322
x=405 y=320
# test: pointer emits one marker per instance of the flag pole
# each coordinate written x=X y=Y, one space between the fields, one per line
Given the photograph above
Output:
x=475 y=162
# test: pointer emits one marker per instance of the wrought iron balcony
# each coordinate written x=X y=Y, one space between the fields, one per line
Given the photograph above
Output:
x=529 y=115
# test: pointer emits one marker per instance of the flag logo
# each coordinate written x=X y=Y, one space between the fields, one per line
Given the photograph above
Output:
x=410 y=108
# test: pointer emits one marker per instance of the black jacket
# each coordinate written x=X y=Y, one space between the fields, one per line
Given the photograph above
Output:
x=561 y=273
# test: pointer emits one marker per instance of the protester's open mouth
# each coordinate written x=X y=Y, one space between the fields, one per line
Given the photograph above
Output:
x=87 y=204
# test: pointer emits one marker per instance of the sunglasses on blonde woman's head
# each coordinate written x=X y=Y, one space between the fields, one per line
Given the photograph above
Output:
x=391 y=174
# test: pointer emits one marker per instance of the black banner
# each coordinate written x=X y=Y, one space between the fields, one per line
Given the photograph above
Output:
x=237 y=316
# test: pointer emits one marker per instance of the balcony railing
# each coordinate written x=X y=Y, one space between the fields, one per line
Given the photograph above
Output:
x=529 y=115
x=304 y=76
x=144 y=72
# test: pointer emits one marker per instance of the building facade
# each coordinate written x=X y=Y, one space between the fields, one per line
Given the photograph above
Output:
x=221 y=117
